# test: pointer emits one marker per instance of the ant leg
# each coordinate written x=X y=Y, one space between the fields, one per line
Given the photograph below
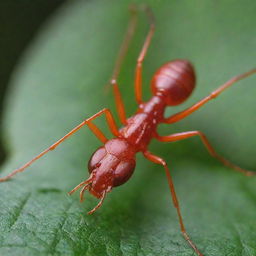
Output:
x=99 y=204
x=119 y=102
x=93 y=128
x=185 y=135
x=122 y=53
x=158 y=160
x=110 y=120
x=177 y=117
x=138 y=71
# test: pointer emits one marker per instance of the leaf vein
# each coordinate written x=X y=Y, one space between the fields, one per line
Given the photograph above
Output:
x=57 y=236
x=19 y=210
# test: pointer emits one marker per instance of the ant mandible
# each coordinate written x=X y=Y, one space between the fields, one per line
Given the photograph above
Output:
x=113 y=164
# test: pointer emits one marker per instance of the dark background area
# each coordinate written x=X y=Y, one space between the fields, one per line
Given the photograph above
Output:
x=19 y=23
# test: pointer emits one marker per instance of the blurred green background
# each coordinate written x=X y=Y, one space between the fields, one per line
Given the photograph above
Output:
x=19 y=24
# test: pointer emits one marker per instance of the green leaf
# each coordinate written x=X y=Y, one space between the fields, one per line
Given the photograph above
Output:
x=60 y=81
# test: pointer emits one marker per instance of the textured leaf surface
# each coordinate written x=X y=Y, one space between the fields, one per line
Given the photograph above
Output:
x=60 y=81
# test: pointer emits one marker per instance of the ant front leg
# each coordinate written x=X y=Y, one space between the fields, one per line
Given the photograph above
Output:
x=122 y=53
x=211 y=150
x=158 y=160
x=138 y=71
x=97 y=132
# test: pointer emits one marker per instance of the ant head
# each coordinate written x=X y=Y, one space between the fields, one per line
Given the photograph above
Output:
x=110 y=166
x=175 y=81
x=108 y=171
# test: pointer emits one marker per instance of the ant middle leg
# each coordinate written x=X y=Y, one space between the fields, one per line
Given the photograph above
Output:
x=97 y=132
x=158 y=160
x=211 y=150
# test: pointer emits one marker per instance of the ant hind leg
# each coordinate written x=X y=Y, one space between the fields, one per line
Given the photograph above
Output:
x=179 y=116
x=158 y=160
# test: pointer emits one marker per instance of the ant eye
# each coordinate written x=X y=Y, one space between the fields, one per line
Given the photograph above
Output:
x=124 y=171
x=95 y=159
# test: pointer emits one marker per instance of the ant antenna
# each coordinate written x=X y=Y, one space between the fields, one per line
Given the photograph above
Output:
x=88 y=181
x=82 y=192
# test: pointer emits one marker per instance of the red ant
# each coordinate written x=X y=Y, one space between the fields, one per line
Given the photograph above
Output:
x=113 y=164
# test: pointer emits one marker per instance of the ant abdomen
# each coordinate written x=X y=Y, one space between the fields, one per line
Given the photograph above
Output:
x=175 y=80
